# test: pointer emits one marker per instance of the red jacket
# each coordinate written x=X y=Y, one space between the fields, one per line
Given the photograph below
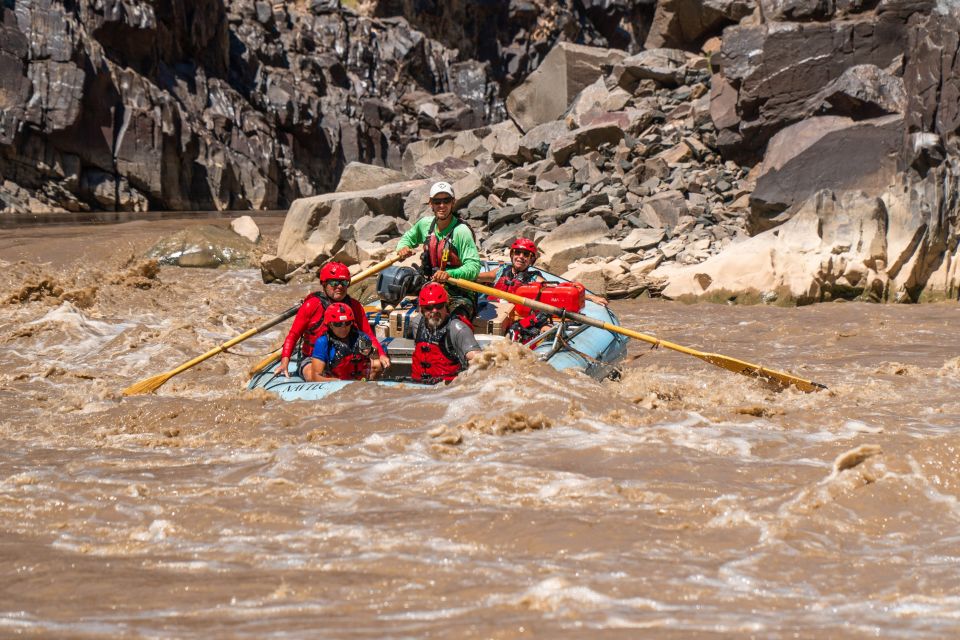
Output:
x=308 y=324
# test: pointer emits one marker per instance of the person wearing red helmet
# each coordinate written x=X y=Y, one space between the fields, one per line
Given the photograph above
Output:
x=513 y=275
x=444 y=345
x=520 y=271
x=343 y=352
x=308 y=324
x=449 y=249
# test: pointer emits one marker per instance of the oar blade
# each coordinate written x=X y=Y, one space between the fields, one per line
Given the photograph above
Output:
x=773 y=376
x=148 y=385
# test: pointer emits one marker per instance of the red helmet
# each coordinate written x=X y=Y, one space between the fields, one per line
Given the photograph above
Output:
x=338 y=312
x=526 y=244
x=334 y=271
x=433 y=293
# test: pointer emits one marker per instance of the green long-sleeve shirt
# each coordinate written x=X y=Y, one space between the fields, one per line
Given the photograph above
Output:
x=462 y=240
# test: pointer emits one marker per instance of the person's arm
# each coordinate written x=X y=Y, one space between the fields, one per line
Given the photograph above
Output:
x=300 y=323
x=360 y=319
x=463 y=341
x=318 y=360
x=416 y=234
x=487 y=276
x=411 y=331
x=469 y=267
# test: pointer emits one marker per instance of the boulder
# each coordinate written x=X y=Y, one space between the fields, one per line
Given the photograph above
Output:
x=584 y=139
x=835 y=246
x=316 y=228
x=589 y=274
x=358 y=176
x=274 y=269
x=204 y=246
x=677 y=23
x=861 y=156
x=245 y=227
x=536 y=142
x=664 y=209
x=448 y=156
x=862 y=91
x=575 y=239
x=668 y=67
x=503 y=142
x=547 y=92
x=640 y=239
x=777 y=67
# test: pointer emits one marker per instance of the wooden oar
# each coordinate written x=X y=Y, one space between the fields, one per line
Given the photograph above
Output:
x=153 y=383
x=731 y=364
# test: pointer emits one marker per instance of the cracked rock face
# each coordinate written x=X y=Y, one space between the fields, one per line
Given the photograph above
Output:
x=215 y=104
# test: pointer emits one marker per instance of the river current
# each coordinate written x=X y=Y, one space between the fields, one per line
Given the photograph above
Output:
x=682 y=501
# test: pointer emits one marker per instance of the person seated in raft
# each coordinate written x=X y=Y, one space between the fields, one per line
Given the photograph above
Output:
x=308 y=324
x=519 y=271
x=343 y=352
x=513 y=275
x=444 y=345
x=449 y=250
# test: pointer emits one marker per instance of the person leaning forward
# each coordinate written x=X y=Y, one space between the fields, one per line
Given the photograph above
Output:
x=444 y=346
x=308 y=324
x=449 y=250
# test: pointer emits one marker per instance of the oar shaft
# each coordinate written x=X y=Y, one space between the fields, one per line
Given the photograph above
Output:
x=725 y=362
x=238 y=339
x=377 y=268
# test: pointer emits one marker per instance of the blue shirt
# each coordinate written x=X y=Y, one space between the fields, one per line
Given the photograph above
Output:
x=322 y=350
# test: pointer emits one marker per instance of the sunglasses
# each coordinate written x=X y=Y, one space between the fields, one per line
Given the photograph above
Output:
x=340 y=325
x=441 y=201
x=522 y=252
x=337 y=283
x=432 y=307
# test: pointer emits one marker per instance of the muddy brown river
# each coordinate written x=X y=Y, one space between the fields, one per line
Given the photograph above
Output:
x=682 y=501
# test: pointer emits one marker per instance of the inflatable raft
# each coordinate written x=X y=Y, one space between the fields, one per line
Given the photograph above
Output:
x=566 y=345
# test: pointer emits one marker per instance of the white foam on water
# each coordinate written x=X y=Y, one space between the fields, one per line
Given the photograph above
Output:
x=560 y=595
x=574 y=488
x=77 y=335
x=157 y=531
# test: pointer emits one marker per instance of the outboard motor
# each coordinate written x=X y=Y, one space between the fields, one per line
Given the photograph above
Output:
x=396 y=283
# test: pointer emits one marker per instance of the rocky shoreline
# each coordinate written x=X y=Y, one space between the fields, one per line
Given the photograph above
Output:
x=787 y=152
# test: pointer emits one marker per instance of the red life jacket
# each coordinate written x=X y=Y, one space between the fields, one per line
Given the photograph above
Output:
x=316 y=328
x=434 y=358
x=346 y=362
x=439 y=254
x=508 y=280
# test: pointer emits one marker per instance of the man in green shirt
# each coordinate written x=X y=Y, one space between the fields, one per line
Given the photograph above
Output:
x=449 y=250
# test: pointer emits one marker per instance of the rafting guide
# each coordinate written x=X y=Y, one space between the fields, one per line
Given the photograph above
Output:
x=449 y=250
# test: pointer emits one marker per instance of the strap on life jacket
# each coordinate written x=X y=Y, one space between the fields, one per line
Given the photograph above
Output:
x=324 y=303
x=438 y=254
x=506 y=279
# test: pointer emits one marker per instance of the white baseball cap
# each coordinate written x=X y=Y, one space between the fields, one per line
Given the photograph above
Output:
x=441 y=187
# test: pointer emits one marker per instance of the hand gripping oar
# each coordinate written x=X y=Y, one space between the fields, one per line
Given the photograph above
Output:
x=153 y=383
x=731 y=364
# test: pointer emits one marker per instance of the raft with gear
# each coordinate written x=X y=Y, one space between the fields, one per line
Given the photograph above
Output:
x=559 y=341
